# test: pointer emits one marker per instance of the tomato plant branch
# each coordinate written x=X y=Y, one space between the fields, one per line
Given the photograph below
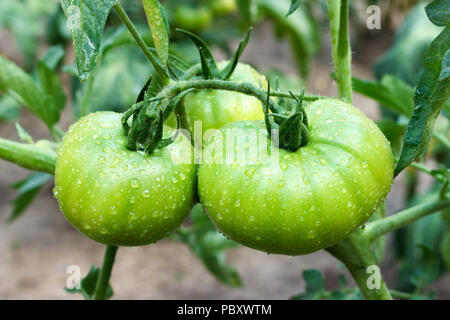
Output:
x=39 y=156
x=140 y=42
x=374 y=229
x=105 y=273
x=355 y=253
x=338 y=12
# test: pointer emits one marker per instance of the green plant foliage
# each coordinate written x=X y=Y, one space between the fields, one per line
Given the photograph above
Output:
x=87 y=285
x=210 y=246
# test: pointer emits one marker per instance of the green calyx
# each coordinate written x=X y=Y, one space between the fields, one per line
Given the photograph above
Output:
x=287 y=129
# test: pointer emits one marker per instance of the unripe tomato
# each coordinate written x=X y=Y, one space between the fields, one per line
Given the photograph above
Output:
x=215 y=108
x=193 y=18
x=307 y=200
x=117 y=196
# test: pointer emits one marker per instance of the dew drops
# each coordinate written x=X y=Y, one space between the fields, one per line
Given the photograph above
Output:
x=146 y=193
x=237 y=203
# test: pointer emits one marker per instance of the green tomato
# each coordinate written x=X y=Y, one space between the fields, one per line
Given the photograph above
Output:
x=215 y=108
x=117 y=196
x=223 y=7
x=193 y=18
x=301 y=201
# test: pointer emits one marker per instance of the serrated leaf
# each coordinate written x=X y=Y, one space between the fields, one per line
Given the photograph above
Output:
x=14 y=81
x=88 y=284
x=210 y=246
x=391 y=92
x=429 y=99
x=294 y=6
x=23 y=134
x=28 y=189
x=87 y=19
x=159 y=27
x=438 y=12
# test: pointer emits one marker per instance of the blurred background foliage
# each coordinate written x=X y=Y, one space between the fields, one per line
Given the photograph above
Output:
x=38 y=30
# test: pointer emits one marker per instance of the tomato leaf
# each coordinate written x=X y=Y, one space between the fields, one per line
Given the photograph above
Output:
x=51 y=84
x=15 y=82
x=209 y=65
x=294 y=6
x=87 y=285
x=438 y=12
x=159 y=26
x=86 y=19
x=210 y=246
x=315 y=285
x=300 y=28
x=9 y=108
x=430 y=96
x=445 y=248
x=391 y=92
x=28 y=189
x=227 y=72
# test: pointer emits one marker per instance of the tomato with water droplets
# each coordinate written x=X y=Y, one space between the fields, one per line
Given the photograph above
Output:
x=117 y=196
x=294 y=203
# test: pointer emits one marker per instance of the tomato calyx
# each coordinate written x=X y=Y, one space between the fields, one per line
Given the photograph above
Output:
x=287 y=129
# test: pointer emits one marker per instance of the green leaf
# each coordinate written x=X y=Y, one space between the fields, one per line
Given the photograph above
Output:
x=9 y=108
x=160 y=28
x=438 y=12
x=294 y=6
x=23 y=134
x=391 y=92
x=412 y=38
x=88 y=284
x=14 y=81
x=227 y=72
x=429 y=99
x=28 y=189
x=53 y=56
x=209 y=65
x=210 y=246
x=315 y=285
x=51 y=84
x=87 y=19
x=300 y=28
x=394 y=132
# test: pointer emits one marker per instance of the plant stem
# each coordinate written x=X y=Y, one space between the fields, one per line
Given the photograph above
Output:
x=31 y=156
x=341 y=52
x=374 y=229
x=105 y=273
x=140 y=42
x=355 y=253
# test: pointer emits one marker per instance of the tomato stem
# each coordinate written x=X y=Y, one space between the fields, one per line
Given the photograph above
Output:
x=342 y=59
x=160 y=70
x=105 y=273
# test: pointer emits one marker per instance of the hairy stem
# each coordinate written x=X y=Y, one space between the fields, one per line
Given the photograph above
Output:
x=355 y=253
x=38 y=156
x=140 y=42
x=338 y=15
x=374 y=229
x=105 y=273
